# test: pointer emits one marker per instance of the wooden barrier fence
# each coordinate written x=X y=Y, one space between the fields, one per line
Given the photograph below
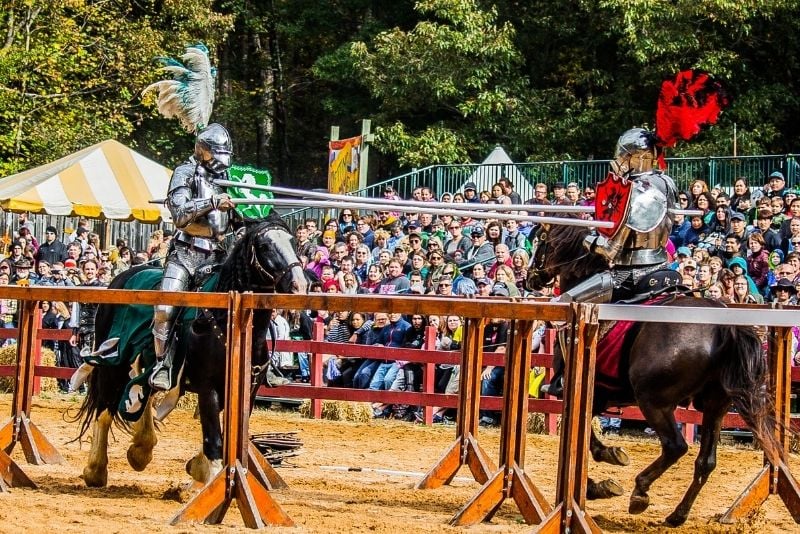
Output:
x=249 y=486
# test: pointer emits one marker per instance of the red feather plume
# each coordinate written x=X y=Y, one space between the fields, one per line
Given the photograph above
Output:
x=687 y=103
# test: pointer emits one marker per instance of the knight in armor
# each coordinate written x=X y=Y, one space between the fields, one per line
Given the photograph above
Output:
x=200 y=211
x=636 y=247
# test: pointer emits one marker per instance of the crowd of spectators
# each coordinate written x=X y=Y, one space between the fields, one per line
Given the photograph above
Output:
x=74 y=259
x=745 y=247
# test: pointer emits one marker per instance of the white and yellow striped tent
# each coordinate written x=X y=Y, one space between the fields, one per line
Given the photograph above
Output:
x=107 y=180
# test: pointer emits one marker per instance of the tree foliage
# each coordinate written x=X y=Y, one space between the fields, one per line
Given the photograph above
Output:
x=442 y=80
x=71 y=71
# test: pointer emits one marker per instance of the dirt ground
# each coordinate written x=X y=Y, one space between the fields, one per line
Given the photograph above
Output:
x=322 y=497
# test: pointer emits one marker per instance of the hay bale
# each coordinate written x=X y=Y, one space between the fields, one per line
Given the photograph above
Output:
x=536 y=424
x=188 y=402
x=359 y=412
x=8 y=356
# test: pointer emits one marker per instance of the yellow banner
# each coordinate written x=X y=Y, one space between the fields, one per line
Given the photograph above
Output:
x=344 y=161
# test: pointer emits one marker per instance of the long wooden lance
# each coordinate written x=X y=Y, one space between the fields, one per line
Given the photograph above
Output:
x=470 y=206
x=392 y=204
x=338 y=204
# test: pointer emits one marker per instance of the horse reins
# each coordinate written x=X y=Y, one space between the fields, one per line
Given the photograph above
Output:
x=272 y=279
x=539 y=259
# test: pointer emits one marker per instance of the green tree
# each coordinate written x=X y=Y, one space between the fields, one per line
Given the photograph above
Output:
x=71 y=71
x=443 y=88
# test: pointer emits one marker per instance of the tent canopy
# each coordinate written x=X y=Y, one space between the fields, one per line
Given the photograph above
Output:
x=107 y=180
x=498 y=165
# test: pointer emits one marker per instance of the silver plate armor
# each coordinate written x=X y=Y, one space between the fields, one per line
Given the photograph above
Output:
x=648 y=204
x=192 y=200
x=641 y=241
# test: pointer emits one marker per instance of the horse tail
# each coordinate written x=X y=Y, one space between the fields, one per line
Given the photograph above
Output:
x=745 y=378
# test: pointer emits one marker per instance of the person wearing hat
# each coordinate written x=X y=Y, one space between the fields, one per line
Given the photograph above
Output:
x=484 y=285
x=739 y=229
x=784 y=292
x=777 y=184
x=22 y=273
x=51 y=250
x=500 y=289
x=481 y=250
x=471 y=193
x=559 y=192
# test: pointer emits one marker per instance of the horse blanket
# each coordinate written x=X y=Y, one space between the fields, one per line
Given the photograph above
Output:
x=131 y=338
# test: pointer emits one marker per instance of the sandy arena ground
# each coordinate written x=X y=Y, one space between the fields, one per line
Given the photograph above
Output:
x=320 y=499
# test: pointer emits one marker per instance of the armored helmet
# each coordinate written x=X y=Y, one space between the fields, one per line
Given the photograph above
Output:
x=635 y=152
x=635 y=140
x=213 y=148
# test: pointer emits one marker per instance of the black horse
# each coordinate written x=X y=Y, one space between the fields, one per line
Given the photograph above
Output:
x=263 y=260
x=665 y=365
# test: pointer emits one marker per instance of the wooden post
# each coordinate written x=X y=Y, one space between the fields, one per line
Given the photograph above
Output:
x=465 y=449
x=510 y=480
x=773 y=479
x=235 y=480
x=550 y=420
x=20 y=429
x=569 y=514
x=429 y=374
x=363 y=163
x=316 y=370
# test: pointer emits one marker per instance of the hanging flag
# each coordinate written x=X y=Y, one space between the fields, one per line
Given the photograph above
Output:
x=252 y=176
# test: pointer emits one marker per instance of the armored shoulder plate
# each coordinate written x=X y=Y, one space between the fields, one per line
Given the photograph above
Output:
x=651 y=195
x=183 y=175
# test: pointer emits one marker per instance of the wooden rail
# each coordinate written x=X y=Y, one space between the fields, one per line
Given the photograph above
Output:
x=249 y=486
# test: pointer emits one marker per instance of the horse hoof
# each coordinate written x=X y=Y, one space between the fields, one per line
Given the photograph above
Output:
x=675 y=519
x=199 y=468
x=139 y=457
x=603 y=490
x=638 y=504
x=95 y=478
x=614 y=456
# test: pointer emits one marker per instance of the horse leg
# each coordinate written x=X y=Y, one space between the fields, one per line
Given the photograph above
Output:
x=714 y=409
x=605 y=489
x=206 y=464
x=673 y=446
x=144 y=439
x=95 y=474
x=603 y=453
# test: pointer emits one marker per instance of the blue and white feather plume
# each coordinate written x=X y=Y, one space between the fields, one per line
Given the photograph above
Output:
x=189 y=95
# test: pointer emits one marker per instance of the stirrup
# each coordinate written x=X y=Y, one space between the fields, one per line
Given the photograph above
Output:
x=161 y=377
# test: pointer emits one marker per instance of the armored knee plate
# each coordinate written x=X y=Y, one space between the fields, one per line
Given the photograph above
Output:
x=596 y=288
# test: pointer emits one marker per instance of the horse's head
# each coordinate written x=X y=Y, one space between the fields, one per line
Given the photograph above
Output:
x=560 y=252
x=265 y=260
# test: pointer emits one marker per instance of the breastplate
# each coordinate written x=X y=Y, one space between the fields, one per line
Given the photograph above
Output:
x=213 y=224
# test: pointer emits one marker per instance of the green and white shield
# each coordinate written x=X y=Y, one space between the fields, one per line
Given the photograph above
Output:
x=252 y=176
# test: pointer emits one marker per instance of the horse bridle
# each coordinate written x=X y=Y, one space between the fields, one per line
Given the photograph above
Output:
x=259 y=372
x=539 y=272
x=273 y=279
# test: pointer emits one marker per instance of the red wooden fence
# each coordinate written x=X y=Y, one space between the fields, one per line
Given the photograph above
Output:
x=317 y=391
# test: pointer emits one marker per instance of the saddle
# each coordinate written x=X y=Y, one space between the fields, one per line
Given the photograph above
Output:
x=616 y=337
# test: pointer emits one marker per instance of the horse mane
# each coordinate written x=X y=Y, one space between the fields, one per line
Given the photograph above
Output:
x=566 y=256
x=237 y=271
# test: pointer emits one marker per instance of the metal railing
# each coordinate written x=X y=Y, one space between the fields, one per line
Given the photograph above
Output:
x=719 y=171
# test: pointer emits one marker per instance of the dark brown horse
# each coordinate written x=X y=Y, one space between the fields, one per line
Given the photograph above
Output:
x=667 y=365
